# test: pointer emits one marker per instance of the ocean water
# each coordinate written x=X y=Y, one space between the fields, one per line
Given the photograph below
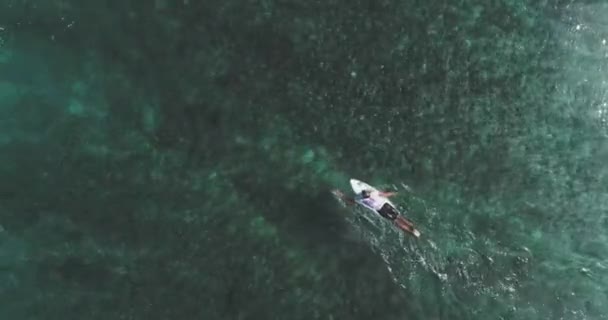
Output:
x=175 y=159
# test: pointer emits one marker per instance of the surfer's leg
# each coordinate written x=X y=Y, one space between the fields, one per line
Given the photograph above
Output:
x=403 y=225
x=401 y=220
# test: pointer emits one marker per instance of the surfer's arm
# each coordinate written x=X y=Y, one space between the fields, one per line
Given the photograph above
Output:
x=387 y=194
x=341 y=195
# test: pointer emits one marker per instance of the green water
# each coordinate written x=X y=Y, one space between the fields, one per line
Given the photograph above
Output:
x=174 y=160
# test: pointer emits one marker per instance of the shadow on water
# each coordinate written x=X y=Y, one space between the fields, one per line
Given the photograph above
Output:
x=308 y=218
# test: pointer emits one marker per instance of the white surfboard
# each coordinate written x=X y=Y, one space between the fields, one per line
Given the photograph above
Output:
x=358 y=186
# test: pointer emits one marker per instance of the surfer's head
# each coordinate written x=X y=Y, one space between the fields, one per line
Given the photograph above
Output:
x=365 y=193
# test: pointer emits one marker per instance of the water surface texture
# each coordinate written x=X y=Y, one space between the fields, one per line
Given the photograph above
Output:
x=174 y=159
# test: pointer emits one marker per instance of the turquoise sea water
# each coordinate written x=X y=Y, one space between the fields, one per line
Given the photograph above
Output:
x=174 y=160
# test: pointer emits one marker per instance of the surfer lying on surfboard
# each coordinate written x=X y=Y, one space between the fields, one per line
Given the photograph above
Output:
x=377 y=201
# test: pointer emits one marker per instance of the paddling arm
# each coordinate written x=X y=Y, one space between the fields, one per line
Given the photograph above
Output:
x=344 y=198
x=386 y=194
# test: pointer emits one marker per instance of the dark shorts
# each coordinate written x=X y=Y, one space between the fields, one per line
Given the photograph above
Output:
x=388 y=212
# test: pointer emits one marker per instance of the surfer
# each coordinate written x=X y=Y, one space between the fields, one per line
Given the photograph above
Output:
x=378 y=201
